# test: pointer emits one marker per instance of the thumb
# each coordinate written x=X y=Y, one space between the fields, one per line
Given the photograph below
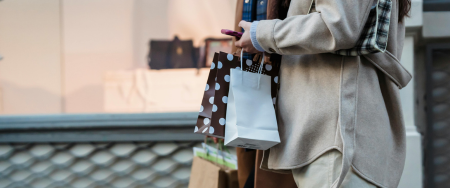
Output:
x=241 y=23
x=238 y=44
x=244 y=24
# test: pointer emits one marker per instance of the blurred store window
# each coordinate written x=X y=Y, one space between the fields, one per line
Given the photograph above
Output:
x=93 y=56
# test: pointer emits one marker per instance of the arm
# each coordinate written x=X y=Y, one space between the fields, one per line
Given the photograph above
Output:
x=336 y=25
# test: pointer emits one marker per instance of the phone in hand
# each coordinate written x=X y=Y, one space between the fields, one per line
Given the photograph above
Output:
x=231 y=33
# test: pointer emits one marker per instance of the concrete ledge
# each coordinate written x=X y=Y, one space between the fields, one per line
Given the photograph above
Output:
x=88 y=121
x=99 y=127
x=436 y=24
x=416 y=19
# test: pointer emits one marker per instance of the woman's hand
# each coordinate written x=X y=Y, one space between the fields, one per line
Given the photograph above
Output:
x=245 y=42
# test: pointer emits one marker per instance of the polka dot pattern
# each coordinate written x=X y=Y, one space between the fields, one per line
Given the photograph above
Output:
x=205 y=112
x=206 y=121
x=225 y=99
x=212 y=113
x=217 y=86
x=230 y=57
x=249 y=62
x=222 y=121
x=254 y=67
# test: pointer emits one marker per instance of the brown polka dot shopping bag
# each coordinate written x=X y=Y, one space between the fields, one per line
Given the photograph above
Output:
x=213 y=110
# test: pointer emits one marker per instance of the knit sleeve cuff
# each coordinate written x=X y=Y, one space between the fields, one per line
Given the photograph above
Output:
x=253 y=36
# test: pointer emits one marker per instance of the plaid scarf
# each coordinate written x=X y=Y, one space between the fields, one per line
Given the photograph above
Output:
x=253 y=10
x=261 y=10
x=374 y=36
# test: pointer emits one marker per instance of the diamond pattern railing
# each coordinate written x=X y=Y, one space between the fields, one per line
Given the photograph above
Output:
x=113 y=164
x=437 y=150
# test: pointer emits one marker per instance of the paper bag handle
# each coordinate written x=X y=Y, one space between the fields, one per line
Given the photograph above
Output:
x=261 y=66
x=242 y=54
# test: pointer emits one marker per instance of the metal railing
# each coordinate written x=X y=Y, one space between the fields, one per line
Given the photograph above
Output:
x=437 y=141
x=97 y=150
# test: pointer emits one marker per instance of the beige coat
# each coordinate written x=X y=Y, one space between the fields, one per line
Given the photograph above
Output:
x=328 y=101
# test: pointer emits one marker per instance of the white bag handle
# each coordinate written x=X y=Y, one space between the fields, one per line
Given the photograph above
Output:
x=261 y=66
x=242 y=53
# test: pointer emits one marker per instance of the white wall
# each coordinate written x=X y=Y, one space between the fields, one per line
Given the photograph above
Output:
x=412 y=176
x=199 y=19
x=30 y=72
x=150 y=21
x=412 y=173
x=436 y=24
x=97 y=36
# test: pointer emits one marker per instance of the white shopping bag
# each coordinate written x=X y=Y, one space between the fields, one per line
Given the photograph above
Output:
x=251 y=121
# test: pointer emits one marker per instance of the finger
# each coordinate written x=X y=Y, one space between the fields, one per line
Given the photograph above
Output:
x=241 y=23
x=238 y=44
x=245 y=25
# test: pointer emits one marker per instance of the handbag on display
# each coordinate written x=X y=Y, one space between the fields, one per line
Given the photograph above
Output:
x=374 y=36
x=172 y=54
x=213 y=110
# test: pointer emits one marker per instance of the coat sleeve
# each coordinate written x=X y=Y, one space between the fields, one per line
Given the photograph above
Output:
x=337 y=24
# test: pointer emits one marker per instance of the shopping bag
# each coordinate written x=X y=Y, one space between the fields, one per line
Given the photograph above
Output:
x=213 y=111
x=213 y=167
x=205 y=174
x=206 y=108
x=251 y=121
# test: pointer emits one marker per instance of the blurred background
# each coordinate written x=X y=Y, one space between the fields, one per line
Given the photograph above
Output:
x=105 y=93
x=65 y=56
